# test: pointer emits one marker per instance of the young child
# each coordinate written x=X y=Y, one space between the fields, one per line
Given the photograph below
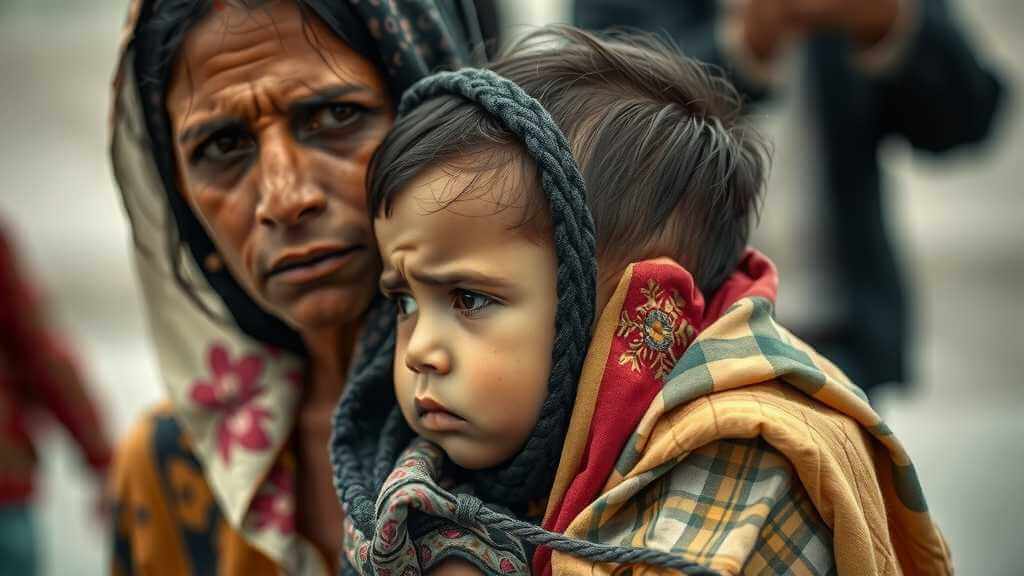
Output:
x=684 y=425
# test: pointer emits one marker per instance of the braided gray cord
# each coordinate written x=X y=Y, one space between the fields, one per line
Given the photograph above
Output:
x=471 y=509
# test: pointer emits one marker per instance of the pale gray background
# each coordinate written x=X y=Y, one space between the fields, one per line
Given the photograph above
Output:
x=959 y=223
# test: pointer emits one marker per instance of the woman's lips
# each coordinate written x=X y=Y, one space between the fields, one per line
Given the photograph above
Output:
x=313 y=265
x=433 y=416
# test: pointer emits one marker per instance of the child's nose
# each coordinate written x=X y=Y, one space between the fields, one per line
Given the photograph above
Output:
x=426 y=351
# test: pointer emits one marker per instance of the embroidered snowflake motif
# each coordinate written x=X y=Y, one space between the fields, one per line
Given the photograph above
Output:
x=656 y=333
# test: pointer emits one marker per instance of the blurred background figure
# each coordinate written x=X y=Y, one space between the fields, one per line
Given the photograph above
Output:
x=37 y=378
x=849 y=74
x=955 y=222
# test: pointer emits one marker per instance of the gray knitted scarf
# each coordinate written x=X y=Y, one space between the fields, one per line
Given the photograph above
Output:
x=369 y=430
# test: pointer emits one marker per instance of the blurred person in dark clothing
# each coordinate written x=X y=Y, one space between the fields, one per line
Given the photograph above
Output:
x=854 y=72
x=37 y=375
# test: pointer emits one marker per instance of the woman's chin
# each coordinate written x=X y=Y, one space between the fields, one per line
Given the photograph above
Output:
x=327 y=308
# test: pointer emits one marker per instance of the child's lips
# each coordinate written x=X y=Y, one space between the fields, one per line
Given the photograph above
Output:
x=442 y=422
x=433 y=416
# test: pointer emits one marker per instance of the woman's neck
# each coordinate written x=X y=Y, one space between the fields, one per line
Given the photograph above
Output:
x=330 y=353
x=319 y=513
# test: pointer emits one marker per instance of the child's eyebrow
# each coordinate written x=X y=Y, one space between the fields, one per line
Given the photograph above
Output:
x=392 y=280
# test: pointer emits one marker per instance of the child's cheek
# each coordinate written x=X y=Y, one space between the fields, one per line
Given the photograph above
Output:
x=510 y=377
x=403 y=378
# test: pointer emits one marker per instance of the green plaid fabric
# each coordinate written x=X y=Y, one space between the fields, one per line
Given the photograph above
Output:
x=709 y=504
x=758 y=456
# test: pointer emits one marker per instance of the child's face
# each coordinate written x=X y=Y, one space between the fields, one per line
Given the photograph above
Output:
x=477 y=303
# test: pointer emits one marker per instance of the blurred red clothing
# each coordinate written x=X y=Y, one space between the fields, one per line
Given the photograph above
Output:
x=37 y=374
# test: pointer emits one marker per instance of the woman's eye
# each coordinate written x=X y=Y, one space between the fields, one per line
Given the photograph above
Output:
x=469 y=302
x=406 y=304
x=225 y=146
x=330 y=117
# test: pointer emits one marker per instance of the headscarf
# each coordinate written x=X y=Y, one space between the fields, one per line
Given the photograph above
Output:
x=212 y=331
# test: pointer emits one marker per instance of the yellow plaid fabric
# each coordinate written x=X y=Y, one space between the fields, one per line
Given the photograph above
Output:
x=758 y=456
x=736 y=498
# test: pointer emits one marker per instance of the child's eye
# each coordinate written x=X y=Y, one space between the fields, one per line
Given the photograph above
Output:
x=406 y=304
x=469 y=303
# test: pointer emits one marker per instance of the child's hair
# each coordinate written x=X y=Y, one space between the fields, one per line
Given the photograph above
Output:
x=667 y=159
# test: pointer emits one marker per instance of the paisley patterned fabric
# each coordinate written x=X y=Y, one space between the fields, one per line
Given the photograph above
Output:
x=418 y=525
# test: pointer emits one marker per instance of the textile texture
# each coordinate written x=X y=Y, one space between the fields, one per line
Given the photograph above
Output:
x=234 y=387
x=681 y=483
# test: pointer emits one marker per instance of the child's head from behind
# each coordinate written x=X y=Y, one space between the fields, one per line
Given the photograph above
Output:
x=464 y=230
x=671 y=167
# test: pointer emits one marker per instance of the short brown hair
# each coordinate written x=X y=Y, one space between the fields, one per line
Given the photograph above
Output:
x=669 y=163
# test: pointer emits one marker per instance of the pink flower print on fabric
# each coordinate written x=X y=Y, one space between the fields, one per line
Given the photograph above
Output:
x=229 y=392
x=388 y=533
x=274 y=503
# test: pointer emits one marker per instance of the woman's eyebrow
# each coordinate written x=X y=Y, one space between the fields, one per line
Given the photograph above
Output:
x=204 y=129
x=326 y=95
x=319 y=97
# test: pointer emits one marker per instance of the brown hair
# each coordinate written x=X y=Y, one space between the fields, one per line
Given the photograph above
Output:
x=671 y=167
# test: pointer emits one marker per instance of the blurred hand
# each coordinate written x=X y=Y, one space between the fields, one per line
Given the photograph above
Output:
x=455 y=567
x=769 y=25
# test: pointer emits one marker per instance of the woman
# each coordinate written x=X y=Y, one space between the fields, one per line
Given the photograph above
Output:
x=241 y=136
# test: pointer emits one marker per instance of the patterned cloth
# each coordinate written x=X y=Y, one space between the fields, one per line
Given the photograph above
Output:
x=233 y=394
x=166 y=518
x=751 y=450
x=418 y=525
x=718 y=495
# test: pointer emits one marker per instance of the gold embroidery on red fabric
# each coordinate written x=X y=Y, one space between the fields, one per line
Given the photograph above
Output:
x=657 y=331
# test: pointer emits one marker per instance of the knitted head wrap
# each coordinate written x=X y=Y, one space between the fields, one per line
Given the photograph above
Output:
x=369 y=428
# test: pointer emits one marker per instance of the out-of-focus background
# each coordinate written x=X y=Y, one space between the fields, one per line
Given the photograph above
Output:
x=958 y=223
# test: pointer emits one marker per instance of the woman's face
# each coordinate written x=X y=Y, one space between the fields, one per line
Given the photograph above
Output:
x=274 y=120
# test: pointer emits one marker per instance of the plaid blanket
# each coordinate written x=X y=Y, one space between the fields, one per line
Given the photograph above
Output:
x=718 y=497
x=754 y=454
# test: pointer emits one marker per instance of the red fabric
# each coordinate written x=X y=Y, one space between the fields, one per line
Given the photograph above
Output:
x=755 y=276
x=625 y=394
x=36 y=372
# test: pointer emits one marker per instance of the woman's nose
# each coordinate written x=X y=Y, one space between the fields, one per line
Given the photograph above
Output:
x=426 y=351
x=288 y=196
